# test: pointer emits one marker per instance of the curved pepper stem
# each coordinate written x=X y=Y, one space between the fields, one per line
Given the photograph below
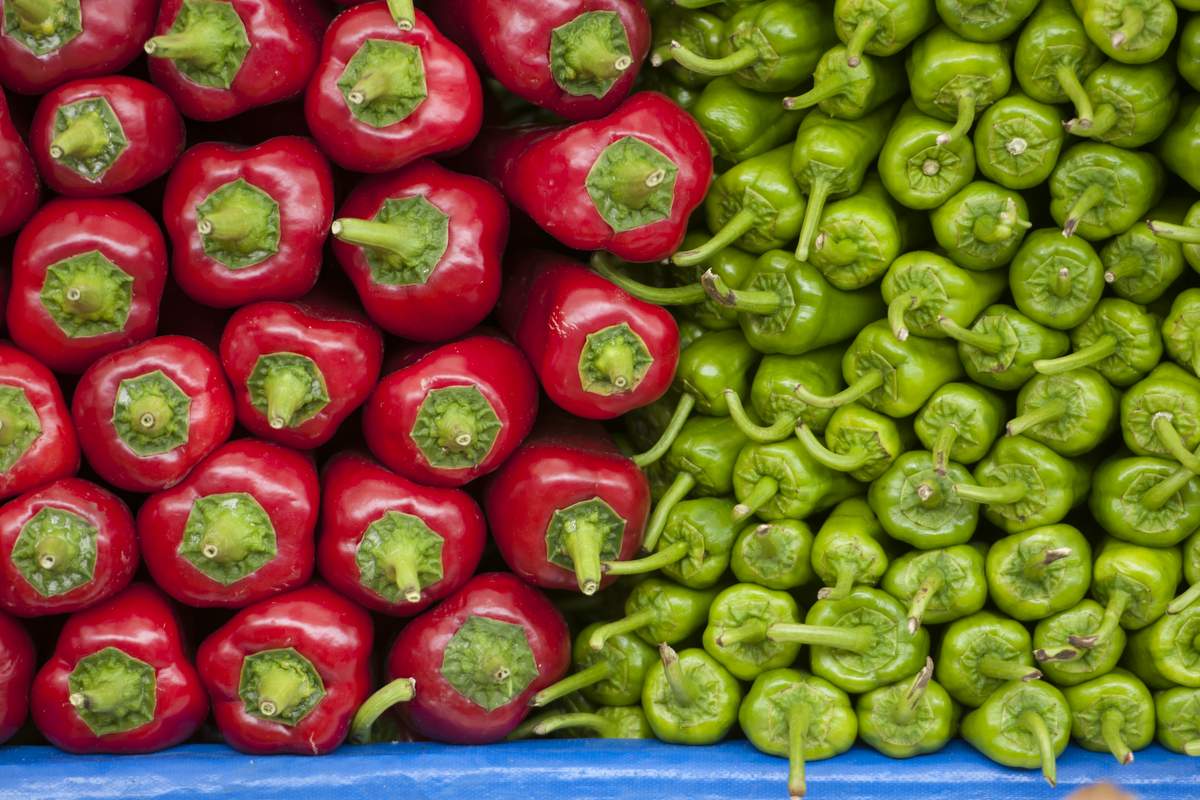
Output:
x=400 y=690
x=942 y=445
x=797 y=721
x=863 y=33
x=964 y=119
x=827 y=88
x=842 y=462
x=918 y=604
x=1161 y=493
x=682 y=689
x=403 y=13
x=843 y=584
x=683 y=410
x=1111 y=723
x=1176 y=233
x=864 y=385
x=1103 y=120
x=777 y=431
x=688 y=295
x=1090 y=198
x=992 y=495
x=1097 y=351
x=817 y=195
x=857 y=640
x=988 y=343
x=916 y=693
x=1164 y=429
x=606 y=728
x=1184 y=600
x=572 y=683
x=738 y=226
x=1118 y=600
x=1133 y=22
x=1001 y=670
x=629 y=624
x=898 y=309
x=671 y=554
x=748 y=301
x=702 y=65
x=679 y=489
x=1068 y=80
x=1052 y=410
x=1033 y=722
x=766 y=488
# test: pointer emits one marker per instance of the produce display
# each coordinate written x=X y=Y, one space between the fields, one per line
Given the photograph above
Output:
x=807 y=371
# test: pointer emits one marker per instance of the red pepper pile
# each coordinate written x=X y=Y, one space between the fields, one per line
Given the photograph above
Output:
x=269 y=358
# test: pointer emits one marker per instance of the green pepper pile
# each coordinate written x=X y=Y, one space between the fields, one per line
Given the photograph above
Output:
x=934 y=439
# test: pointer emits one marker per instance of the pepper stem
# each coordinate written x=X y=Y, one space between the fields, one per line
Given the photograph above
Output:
x=988 y=343
x=859 y=639
x=671 y=554
x=392 y=239
x=1118 y=599
x=200 y=44
x=842 y=462
x=751 y=631
x=1164 y=429
x=579 y=719
x=797 y=719
x=942 y=445
x=1184 y=600
x=865 y=384
x=83 y=137
x=1035 y=568
x=684 y=482
x=843 y=583
x=818 y=193
x=286 y=391
x=864 y=32
x=681 y=688
x=1098 y=350
x=1002 y=670
x=1001 y=495
x=963 y=120
x=583 y=542
x=1162 y=492
x=400 y=690
x=688 y=295
x=1057 y=654
x=683 y=410
x=224 y=540
x=1176 y=233
x=748 y=301
x=766 y=488
x=775 y=432
x=738 y=225
x=103 y=696
x=827 y=88
x=627 y=624
x=1104 y=120
x=898 y=309
x=918 y=604
x=403 y=13
x=37 y=13
x=1111 y=723
x=1068 y=80
x=1133 y=22
x=1033 y=722
x=279 y=691
x=916 y=693
x=702 y=65
x=572 y=683
x=54 y=552
x=1052 y=410
x=1091 y=197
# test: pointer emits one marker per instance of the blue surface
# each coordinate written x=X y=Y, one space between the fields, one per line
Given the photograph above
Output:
x=578 y=769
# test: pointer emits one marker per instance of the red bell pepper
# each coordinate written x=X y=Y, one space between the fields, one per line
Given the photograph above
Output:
x=18 y=175
x=299 y=369
x=385 y=94
x=287 y=674
x=46 y=42
x=119 y=680
x=452 y=413
x=65 y=547
x=37 y=438
x=577 y=58
x=566 y=500
x=598 y=351
x=423 y=247
x=219 y=58
x=87 y=279
x=103 y=136
x=238 y=529
x=248 y=224
x=393 y=545
x=148 y=414
x=625 y=183
x=18 y=660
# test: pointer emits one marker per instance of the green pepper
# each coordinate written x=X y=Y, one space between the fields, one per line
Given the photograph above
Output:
x=1000 y=349
x=1026 y=484
x=689 y=698
x=849 y=92
x=1141 y=265
x=989 y=21
x=908 y=718
x=1025 y=725
x=1181 y=329
x=1179 y=143
x=689 y=332
x=938 y=585
x=922 y=287
x=954 y=79
x=1187 y=234
x=786 y=306
x=1039 y=572
x=699 y=31
x=918 y=170
x=1113 y=713
x=800 y=716
x=982 y=226
x=742 y=123
x=1167 y=653
x=918 y=503
x=607 y=722
x=1098 y=190
x=880 y=27
x=739 y=622
x=850 y=549
x=1145 y=500
x=780 y=480
x=771 y=46
x=774 y=554
x=888 y=375
x=1178 y=720
x=980 y=653
x=722 y=8
x=1160 y=415
x=683 y=96
x=831 y=157
x=658 y=611
x=1130 y=104
x=959 y=423
x=773 y=395
x=1064 y=663
x=643 y=426
x=693 y=548
x=1131 y=31
x=1056 y=281
x=1071 y=413
x=1134 y=583
x=610 y=676
x=1054 y=55
x=1188 y=58
x=1017 y=141
x=1191 y=574
x=859 y=441
x=1120 y=339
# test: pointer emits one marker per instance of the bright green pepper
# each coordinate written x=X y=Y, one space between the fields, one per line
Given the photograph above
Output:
x=739 y=622
x=982 y=226
x=1054 y=55
x=1191 y=574
x=742 y=123
x=1071 y=413
x=611 y=676
x=921 y=288
x=1160 y=415
x=1056 y=281
x=953 y=78
x=989 y=21
x=1145 y=500
x=776 y=554
x=1120 y=339
x=859 y=441
x=1167 y=653
x=1178 y=720
x=1113 y=713
x=847 y=92
x=1098 y=190
x=684 y=96
x=800 y=716
x=1026 y=484
x=918 y=170
x=938 y=585
x=780 y=480
x=1187 y=234
x=1141 y=265
x=1064 y=663
x=830 y=159
x=689 y=698
x=658 y=610
x=1000 y=349
x=699 y=30
x=850 y=549
x=1039 y=572
x=608 y=722
x=1017 y=141
x=908 y=718
x=919 y=504
x=693 y=548
x=1025 y=725
x=1135 y=585
x=1131 y=105
x=980 y=653
x=959 y=423
x=1179 y=143
x=1181 y=329
x=1188 y=58
x=1131 y=31
x=880 y=27
x=773 y=395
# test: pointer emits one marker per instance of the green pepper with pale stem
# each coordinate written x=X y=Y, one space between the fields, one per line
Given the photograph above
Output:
x=953 y=78
x=1139 y=264
x=689 y=698
x=1026 y=725
x=921 y=288
x=980 y=653
x=1000 y=349
x=780 y=480
x=959 y=423
x=1056 y=281
x=908 y=718
x=880 y=27
x=918 y=169
x=1131 y=31
x=1026 y=485
x=1187 y=234
x=1054 y=55
x=1191 y=574
x=1160 y=415
x=849 y=92
x=1181 y=330
x=1167 y=653
x=939 y=585
x=658 y=610
x=919 y=503
x=1017 y=141
x=693 y=548
x=1112 y=714
x=1039 y=572
x=858 y=441
x=776 y=554
x=739 y=626
x=1178 y=720
x=1121 y=340
x=1071 y=413
x=1177 y=146
x=1064 y=663
x=773 y=394
x=1146 y=500
x=982 y=226
x=699 y=30
x=1098 y=190
x=742 y=123
x=1135 y=585
x=850 y=549
x=1128 y=105
x=611 y=676
x=606 y=722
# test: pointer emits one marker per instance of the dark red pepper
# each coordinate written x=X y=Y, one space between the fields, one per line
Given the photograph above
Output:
x=17 y=663
x=452 y=413
x=578 y=58
x=103 y=136
x=476 y=661
x=37 y=437
x=66 y=547
x=287 y=674
x=625 y=183
x=87 y=279
x=218 y=59
x=148 y=414
x=598 y=351
x=18 y=175
x=46 y=42
x=393 y=545
x=119 y=680
x=238 y=529
x=423 y=246
x=387 y=93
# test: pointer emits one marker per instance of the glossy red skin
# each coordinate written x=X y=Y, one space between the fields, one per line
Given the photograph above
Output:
x=195 y=369
x=547 y=178
x=66 y=227
x=152 y=126
x=448 y=118
x=438 y=711
x=551 y=304
x=465 y=284
x=512 y=38
x=283 y=482
x=112 y=37
x=18 y=175
x=292 y=170
x=328 y=630
x=116 y=547
x=345 y=347
x=17 y=663
x=140 y=622
x=285 y=38
x=55 y=453
x=496 y=367
x=356 y=491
